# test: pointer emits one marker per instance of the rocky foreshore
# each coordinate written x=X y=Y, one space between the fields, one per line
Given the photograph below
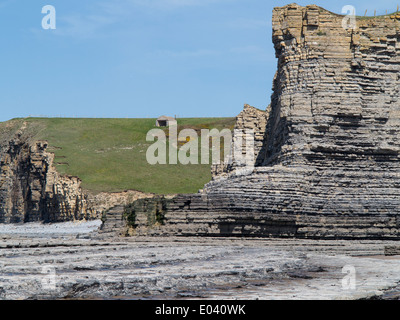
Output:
x=76 y=264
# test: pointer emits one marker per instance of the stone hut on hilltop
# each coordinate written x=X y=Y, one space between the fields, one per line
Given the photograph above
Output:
x=165 y=121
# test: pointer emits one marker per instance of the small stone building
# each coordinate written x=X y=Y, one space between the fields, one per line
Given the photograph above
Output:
x=165 y=121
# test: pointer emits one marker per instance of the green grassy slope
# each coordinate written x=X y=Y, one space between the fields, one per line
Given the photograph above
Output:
x=110 y=154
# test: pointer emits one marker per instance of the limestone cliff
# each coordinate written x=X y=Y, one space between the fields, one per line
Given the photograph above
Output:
x=328 y=166
x=336 y=91
x=31 y=189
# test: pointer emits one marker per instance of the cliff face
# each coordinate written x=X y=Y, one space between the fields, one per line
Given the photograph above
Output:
x=328 y=166
x=336 y=91
x=30 y=187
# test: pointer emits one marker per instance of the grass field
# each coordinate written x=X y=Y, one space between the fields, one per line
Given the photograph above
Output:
x=110 y=154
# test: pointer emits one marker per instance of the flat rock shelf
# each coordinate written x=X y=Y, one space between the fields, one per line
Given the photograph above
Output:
x=77 y=264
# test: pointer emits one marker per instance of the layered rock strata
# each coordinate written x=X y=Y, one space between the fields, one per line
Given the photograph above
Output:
x=251 y=121
x=328 y=166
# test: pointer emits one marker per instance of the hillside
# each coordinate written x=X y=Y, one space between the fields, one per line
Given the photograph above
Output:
x=110 y=154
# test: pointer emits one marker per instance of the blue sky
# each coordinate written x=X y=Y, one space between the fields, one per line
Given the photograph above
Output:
x=141 y=58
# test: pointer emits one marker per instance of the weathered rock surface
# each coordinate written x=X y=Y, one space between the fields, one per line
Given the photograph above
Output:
x=329 y=164
x=50 y=266
x=104 y=201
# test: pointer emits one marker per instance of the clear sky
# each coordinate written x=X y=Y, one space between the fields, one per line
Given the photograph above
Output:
x=141 y=58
